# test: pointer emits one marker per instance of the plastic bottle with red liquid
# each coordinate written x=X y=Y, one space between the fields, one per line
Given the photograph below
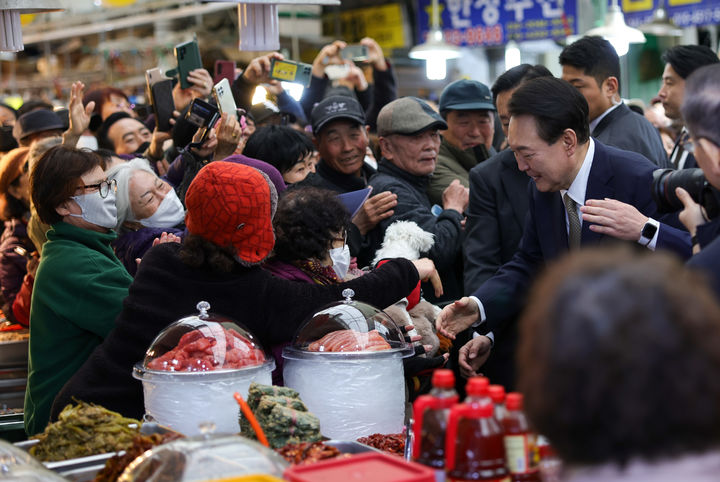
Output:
x=474 y=448
x=430 y=414
x=497 y=395
x=521 y=451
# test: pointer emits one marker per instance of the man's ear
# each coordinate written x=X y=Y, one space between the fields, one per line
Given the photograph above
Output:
x=610 y=86
x=385 y=148
x=569 y=140
x=316 y=141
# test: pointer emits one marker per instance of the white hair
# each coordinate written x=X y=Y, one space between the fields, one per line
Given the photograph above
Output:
x=122 y=173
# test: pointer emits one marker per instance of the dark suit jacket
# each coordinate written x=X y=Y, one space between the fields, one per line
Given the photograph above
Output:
x=708 y=262
x=495 y=217
x=615 y=174
x=625 y=129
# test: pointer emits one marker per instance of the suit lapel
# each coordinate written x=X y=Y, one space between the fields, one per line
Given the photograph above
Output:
x=598 y=187
x=515 y=183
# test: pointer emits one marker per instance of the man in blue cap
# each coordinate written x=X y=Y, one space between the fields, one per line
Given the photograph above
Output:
x=467 y=107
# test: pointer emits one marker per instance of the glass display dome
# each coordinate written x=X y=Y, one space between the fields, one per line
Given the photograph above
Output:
x=205 y=458
x=203 y=342
x=348 y=328
x=195 y=365
x=346 y=361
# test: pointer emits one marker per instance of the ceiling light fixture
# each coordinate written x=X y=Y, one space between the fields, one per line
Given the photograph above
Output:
x=435 y=51
x=616 y=31
x=661 y=25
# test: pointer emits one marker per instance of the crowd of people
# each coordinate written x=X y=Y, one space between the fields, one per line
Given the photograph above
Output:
x=270 y=213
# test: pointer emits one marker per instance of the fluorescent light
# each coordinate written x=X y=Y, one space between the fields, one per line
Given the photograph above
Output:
x=259 y=96
x=512 y=55
x=294 y=90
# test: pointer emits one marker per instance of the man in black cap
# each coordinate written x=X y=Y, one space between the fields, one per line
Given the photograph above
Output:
x=35 y=125
x=341 y=137
x=467 y=107
x=410 y=141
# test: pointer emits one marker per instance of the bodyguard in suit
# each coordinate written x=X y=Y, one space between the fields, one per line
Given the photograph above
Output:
x=592 y=66
x=549 y=134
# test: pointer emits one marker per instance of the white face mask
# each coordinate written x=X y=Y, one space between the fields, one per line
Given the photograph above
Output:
x=169 y=213
x=341 y=260
x=100 y=211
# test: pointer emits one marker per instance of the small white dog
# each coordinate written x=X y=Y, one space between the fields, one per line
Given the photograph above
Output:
x=404 y=239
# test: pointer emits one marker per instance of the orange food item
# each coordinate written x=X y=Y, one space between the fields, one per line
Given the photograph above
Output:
x=198 y=350
x=349 y=341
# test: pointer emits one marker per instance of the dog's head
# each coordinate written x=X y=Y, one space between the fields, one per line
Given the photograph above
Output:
x=404 y=239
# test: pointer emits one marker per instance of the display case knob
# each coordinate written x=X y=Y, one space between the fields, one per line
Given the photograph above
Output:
x=203 y=307
x=348 y=294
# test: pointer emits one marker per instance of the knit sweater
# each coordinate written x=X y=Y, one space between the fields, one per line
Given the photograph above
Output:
x=165 y=290
x=78 y=292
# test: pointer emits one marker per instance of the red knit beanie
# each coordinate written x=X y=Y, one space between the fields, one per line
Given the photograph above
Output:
x=230 y=204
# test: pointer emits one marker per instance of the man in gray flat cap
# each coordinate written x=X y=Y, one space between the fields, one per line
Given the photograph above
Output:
x=409 y=139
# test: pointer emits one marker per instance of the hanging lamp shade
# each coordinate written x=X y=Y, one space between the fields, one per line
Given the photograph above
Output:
x=616 y=31
x=661 y=25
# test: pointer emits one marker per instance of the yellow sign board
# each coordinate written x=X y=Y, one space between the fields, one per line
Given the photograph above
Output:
x=636 y=5
x=386 y=24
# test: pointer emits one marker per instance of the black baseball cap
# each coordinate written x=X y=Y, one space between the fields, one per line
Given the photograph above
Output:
x=465 y=94
x=333 y=108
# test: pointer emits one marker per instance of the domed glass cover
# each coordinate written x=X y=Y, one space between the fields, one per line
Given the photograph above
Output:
x=202 y=343
x=205 y=458
x=349 y=327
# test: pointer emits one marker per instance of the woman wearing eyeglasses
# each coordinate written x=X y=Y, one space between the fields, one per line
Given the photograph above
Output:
x=80 y=283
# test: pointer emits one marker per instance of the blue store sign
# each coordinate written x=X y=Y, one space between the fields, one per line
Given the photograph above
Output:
x=495 y=22
x=685 y=13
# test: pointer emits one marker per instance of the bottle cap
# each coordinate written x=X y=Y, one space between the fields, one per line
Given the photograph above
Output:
x=477 y=386
x=497 y=393
x=514 y=401
x=443 y=378
x=485 y=411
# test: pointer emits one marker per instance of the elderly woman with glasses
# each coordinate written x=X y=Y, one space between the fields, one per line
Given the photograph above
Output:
x=80 y=283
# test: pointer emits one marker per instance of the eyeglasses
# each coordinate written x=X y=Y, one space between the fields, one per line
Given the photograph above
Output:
x=103 y=187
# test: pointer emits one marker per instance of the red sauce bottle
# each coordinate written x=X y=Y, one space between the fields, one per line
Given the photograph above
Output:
x=430 y=414
x=497 y=395
x=521 y=450
x=474 y=447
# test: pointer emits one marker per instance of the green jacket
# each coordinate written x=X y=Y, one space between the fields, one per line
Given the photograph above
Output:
x=78 y=292
x=452 y=163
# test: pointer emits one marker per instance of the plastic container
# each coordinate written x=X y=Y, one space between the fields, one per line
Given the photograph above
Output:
x=346 y=363
x=205 y=458
x=474 y=447
x=18 y=465
x=370 y=466
x=430 y=413
x=521 y=451
x=194 y=366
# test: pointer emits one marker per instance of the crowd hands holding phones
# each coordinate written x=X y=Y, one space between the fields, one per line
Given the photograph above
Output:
x=213 y=195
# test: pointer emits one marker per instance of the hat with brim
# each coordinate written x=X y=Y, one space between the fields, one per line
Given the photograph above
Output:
x=35 y=121
x=333 y=108
x=465 y=94
x=408 y=116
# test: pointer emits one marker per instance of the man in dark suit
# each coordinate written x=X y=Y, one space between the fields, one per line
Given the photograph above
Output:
x=495 y=216
x=680 y=62
x=592 y=66
x=549 y=134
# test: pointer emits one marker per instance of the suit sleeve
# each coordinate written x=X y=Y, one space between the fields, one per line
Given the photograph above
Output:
x=504 y=294
x=482 y=244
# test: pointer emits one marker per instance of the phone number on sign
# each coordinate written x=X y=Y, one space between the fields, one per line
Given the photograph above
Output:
x=475 y=35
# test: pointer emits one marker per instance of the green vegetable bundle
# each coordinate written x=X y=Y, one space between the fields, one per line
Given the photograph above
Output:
x=82 y=430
